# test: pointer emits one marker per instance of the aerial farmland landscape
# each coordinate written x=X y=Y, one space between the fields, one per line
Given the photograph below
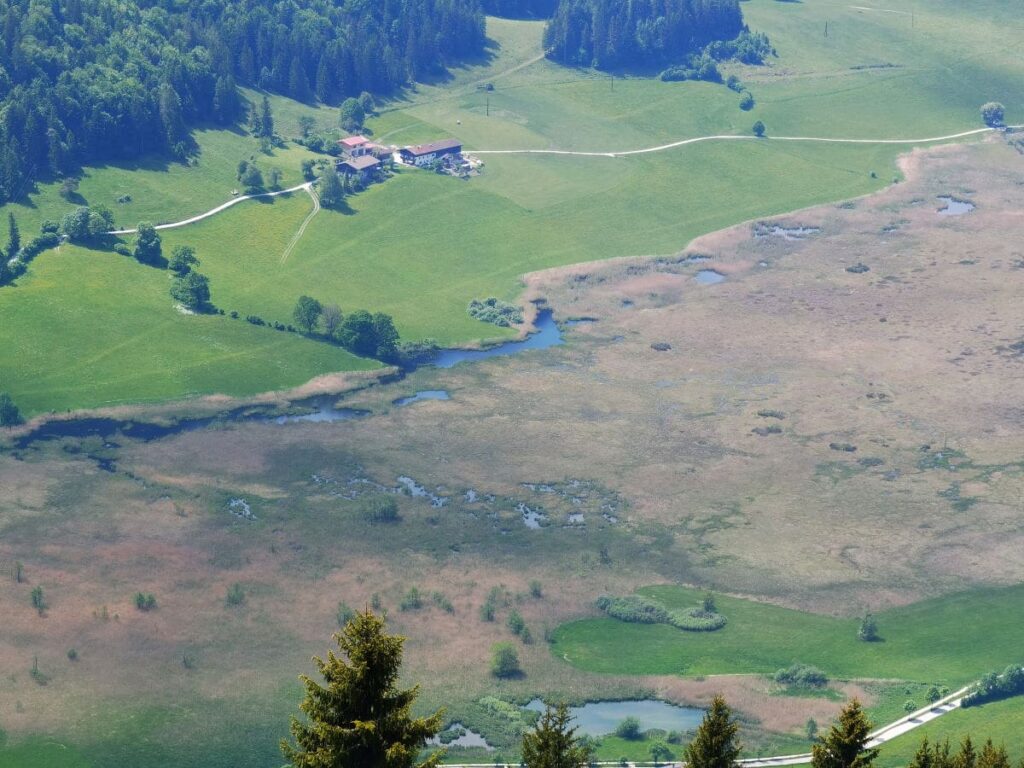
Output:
x=541 y=383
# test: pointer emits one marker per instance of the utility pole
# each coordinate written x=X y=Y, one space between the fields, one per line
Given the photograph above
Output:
x=488 y=106
x=826 y=29
x=613 y=83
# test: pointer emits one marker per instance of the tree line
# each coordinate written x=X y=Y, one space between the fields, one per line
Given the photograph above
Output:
x=88 y=81
x=644 y=33
x=359 y=717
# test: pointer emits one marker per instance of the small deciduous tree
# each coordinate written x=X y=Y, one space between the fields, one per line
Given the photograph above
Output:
x=553 y=742
x=183 y=260
x=147 y=244
x=192 y=290
x=359 y=717
x=351 y=115
x=75 y=224
x=715 y=744
x=330 y=189
x=845 y=745
x=251 y=178
x=993 y=114
x=629 y=728
x=307 y=313
x=811 y=729
x=331 y=318
x=758 y=129
x=306 y=125
x=505 y=661
x=660 y=753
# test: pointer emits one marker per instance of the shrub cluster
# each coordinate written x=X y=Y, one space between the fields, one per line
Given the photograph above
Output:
x=496 y=311
x=802 y=675
x=641 y=610
x=634 y=609
x=995 y=686
x=696 y=620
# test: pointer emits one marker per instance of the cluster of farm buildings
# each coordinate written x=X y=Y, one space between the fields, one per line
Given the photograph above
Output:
x=362 y=158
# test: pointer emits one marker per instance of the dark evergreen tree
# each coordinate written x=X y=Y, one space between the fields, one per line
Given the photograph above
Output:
x=225 y=100
x=553 y=742
x=715 y=744
x=845 y=745
x=13 y=237
x=10 y=416
x=360 y=718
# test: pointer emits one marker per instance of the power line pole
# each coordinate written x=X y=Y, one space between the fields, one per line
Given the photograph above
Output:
x=488 y=106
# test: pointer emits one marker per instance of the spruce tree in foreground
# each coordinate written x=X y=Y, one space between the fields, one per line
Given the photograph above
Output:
x=553 y=744
x=715 y=744
x=360 y=718
x=845 y=745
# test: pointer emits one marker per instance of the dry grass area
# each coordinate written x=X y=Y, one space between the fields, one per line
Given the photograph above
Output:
x=915 y=351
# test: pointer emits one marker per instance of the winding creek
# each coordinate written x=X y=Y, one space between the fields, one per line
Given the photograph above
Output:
x=319 y=409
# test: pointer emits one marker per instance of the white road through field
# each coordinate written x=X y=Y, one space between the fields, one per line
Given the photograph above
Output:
x=619 y=153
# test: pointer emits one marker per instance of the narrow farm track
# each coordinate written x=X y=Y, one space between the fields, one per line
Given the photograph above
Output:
x=308 y=186
x=302 y=228
x=732 y=137
x=880 y=736
x=222 y=207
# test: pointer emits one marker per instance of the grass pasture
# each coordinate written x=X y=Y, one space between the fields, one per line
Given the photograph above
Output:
x=422 y=247
x=950 y=640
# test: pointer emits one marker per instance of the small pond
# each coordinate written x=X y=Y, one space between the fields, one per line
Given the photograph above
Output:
x=423 y=394
x=599 y=718
x=709 y=277
x=786 y=233
x=954 y=206
x=467 y=738
x=547 y=335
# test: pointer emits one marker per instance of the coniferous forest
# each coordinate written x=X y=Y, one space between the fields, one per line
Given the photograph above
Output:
x=87 y=81
x=643 y=33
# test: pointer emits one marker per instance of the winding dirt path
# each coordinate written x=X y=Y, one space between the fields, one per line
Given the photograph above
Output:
x=308 y=186
x=733 y=137
x=214 y=211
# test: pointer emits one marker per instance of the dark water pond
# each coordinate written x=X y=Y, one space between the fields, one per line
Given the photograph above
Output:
x=468 y=738
x=709 y=277
x=599 y=718
x=423 y=394
x=320 y=409
x=547 y=335
x=954 y=206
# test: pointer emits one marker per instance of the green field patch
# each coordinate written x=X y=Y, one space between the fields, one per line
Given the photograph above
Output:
x=951 y=640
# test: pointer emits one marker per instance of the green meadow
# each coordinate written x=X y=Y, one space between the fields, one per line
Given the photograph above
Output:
x=422 y=246
x=950 y=640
